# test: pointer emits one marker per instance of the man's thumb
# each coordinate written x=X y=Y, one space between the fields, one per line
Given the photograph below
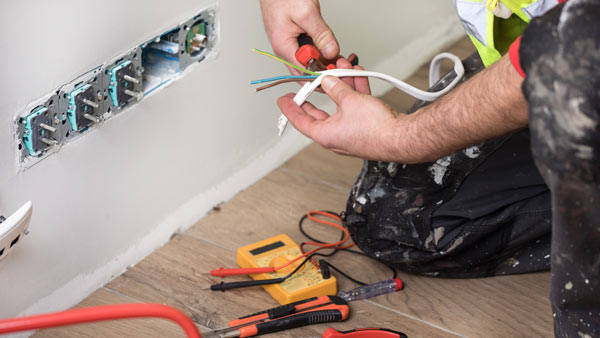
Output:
x=337 y=89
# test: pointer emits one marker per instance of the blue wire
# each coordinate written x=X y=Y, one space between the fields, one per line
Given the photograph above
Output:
x=295 y=77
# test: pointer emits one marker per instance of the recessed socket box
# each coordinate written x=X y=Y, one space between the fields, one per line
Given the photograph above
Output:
x=82 y=103
x=123 y=80
x=39 y=128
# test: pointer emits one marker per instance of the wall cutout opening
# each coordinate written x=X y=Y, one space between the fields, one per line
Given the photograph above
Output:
x=88 y=101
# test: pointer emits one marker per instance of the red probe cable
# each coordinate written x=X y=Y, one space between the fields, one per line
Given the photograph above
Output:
x=100 y=313
x=221 y=272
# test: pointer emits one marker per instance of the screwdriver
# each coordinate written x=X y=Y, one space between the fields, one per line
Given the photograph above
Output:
x=372 y=290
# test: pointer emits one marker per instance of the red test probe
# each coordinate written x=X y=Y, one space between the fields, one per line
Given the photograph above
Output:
x=221 y=272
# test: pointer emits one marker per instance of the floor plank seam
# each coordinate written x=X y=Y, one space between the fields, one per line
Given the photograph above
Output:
x=194 y=311
x=185 y=234
x=113 y=291
x=316 y=180
x=415 y=318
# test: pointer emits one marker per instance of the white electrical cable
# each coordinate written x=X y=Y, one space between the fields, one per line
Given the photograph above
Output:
x=309 y=87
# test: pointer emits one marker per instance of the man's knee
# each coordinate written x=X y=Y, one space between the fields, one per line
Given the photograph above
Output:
x=560 y=54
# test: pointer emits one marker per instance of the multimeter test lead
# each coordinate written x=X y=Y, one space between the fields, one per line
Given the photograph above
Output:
x=372 y=290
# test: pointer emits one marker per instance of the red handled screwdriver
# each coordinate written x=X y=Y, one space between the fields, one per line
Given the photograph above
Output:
x=372 y=290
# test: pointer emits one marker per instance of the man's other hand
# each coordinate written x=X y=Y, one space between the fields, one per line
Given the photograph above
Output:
x=286 y=20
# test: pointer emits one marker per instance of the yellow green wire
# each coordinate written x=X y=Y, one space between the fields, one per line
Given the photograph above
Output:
x=286 y=62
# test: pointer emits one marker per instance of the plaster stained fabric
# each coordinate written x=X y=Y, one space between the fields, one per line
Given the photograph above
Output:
x=482 y=211
x=560 y=55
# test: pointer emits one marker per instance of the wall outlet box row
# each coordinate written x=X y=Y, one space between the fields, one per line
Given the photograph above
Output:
x=86 y=102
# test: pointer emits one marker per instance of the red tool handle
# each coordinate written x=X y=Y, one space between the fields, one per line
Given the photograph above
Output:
x=306 y=52
x=363 y=333
x=245 y=271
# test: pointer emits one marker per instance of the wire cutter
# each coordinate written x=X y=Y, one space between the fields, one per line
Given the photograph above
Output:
x=363 y=333
x=309 y=56
x=315 y=310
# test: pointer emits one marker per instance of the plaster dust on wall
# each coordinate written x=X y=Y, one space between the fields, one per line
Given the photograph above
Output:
x=114 y=195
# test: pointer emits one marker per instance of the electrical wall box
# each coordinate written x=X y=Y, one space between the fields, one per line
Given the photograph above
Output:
x=123 y=80
x=81 y=103
x=86 y=102
x=172 y=52
x=39 y=128
x=276 y=251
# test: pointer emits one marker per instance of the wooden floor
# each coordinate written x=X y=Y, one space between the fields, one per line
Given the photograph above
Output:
x=513 y=306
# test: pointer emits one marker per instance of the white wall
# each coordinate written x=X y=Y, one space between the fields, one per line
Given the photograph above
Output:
x=108 y=199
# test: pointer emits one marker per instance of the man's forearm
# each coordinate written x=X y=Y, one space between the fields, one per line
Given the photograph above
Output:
x=488 y=105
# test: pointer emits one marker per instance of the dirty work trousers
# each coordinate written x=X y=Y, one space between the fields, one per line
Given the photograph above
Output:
x=520 y=203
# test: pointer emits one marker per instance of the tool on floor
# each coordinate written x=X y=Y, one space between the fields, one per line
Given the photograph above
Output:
x=260 y=282
x=372 y=290
x=363 y=333
x=315 y=310
x=279 y=251
x=274 y=258
x=273 y=251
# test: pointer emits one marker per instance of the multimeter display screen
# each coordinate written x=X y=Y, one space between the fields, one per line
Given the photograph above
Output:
x=266 y=248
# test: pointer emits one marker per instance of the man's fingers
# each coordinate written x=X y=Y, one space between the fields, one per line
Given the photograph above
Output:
x=287 y=50
x=342 y=63
x=302 y=121
x=308 y=108
x=337 y=89
x=321 y=34
x=361 y=84
x=313 y=111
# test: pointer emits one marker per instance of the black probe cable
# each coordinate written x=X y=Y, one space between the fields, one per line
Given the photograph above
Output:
x=245 y=284
x=334 y=251
x=324 y=265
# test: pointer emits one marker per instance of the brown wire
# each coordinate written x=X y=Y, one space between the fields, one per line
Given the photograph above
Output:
x=273 y=84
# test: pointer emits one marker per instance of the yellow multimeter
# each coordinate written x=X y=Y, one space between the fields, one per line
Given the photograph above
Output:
x=276 y=251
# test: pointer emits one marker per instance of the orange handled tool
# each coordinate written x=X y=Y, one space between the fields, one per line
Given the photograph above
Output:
x=315 y=310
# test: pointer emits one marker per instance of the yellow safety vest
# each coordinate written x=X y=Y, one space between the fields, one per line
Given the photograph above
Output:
x=491 y=34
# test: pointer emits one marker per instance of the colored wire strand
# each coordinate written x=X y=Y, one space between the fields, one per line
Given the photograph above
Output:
x=284 y=77
x=321 y=245
x=100 y=313
x=285 y=62
x=273 y=84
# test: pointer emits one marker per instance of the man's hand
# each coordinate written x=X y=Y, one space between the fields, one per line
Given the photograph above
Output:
x=486 y=106
x=363 y=125
x=286 y=20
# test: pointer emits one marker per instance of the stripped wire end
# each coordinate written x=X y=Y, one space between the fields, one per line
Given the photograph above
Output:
x=285 y=62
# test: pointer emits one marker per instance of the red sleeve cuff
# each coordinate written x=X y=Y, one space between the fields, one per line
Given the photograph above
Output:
x=513 y=53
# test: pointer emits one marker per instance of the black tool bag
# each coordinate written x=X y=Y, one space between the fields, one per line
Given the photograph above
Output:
x=478 y=212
